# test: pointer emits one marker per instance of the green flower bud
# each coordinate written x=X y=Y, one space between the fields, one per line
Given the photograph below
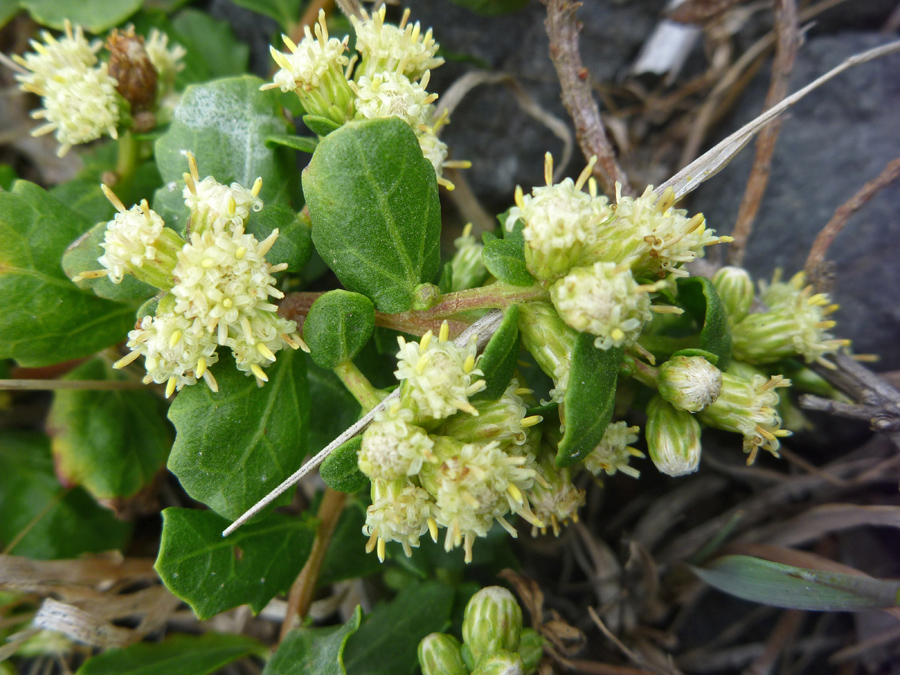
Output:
x=467 y=267
x=735 y=289
x=502 y=420
x=500 y=663
x=425 y=296
x=689 y=382
x=550 y=341
x=439 y=655
x=492 y=621
x=673 y=438
x=531 y=649
x=467 y=657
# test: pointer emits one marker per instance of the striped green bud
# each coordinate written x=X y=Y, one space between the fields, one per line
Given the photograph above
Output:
x=689 y=382
x=547 y=337
x=735 y=289
x=531 y=649
x=500 y=663
x=492 y=621
x=673 y=438
x=439 y=655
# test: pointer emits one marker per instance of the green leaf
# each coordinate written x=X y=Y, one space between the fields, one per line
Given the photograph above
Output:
x=234 y=447
x=329 y=393
x=302 y=143
x=313 y=650
x=111 y=442
x=340 y=470
x=81 y=256
x=176 y=655
x=500 y=355
x=213 y=50
x=590 y=399
x=95 y=16
x=321 y=126
x=782 y=585
x=285 y=12
x=492 y=7
x=213 y=573
x=346 y=557
x=375 y=210
x=63 y=523
x=505 y=260
x=709 y=356
x=387 y=642
x=698 y=296
x=44 y=317
x=294 y=243
x=225 y=124
x=338 y=326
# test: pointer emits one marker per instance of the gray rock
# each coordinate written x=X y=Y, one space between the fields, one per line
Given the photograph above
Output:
x=831 y=143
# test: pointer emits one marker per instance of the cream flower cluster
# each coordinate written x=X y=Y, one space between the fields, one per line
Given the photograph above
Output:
x=615 y=451
x=218 y=284
x=388 y=78
x=166 y=60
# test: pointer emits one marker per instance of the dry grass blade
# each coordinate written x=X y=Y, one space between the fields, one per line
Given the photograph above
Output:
x=700 y=11
x=25 y=574
x=82 y=626
x=826 y=519
x=783 y=634
x=715 y=159
x=788 y=40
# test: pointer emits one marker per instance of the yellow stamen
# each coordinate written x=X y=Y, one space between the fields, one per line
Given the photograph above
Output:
x=444 y=335
x=115 y=201
x=381 y=550
x=548 y=169
x=469 y=364
x=424 y=342
x=457 y=164
x=192 y=163
x=266 y=243
x=211 y=381
x=585 y=173
x=290 y=44
x=257 y=186
x=260 y=375
x=232 y=206
x=617 y=334
x=531 y=421
x=175 y=338
x=192 y=186
x=265 y=351
x=433 y=529
x=201 y=367
x=514 y=492
x=170 y=387
x=207 y=263
x=92 y=274
x=240 y=252
x=125 y=360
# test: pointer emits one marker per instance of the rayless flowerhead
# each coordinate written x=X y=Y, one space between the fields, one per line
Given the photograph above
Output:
x=554 y=498
x=167 y=60
x=392 y=447
x=393 y=95
x=314 y=70
x=615 y=451
x=400 y=512
x=673 y=438
x=748 y=407
x=502 y=420
x=603 y=300
x=560 y=221
x=215 y=206
x=689 y=382
x=467 y=266
x=402 y=49
x=795 y=325
x=438 y=377
x=53 y=55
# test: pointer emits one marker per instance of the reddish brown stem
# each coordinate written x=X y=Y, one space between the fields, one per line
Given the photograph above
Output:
x=785 y=53
x=575 y=80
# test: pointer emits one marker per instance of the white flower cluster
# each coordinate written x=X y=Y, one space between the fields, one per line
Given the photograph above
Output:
x=166 y=60
x=389 y=78
x=614 y=451
x=218 y=285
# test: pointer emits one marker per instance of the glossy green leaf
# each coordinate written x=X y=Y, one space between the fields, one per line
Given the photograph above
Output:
x=213 y=50
x=294 y=243
x=81 y=256
x=491 y=7
x=780 y=585
x=225 y=124
x=346 y=557
x=590 y=399
x=286 y=12
x=112 y=443
x=213 y=573
x=386 y=643
x=329 y=393
x=95 y=16
x=234 y=447
x=505 y=260
x=178 y=654
x=44 y=317
x=321 y=126
x=63 y=523
x=338 y=326
x=375 y=211
x=698 y=296
x=340 y=470
x=313 y=650
x=306 y=144
x=500 y=356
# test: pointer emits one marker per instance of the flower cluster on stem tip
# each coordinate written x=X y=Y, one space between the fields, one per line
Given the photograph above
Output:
x=217 y=284
x=387 y=78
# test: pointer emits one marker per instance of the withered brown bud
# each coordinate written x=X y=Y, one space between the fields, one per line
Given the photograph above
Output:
x=130 y=65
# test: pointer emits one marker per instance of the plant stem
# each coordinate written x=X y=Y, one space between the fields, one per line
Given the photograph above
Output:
x=358 y=385
x=128 y=156
x=301 y=593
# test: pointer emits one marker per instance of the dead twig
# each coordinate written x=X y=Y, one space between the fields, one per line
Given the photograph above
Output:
x=574 y=78
x=816 y=257
x=787 y=42
x=783 y=634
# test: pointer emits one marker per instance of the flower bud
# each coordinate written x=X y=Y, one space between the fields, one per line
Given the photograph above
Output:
x=555 y=500
x=689 y=382
x=492 y=622
x=673 y=438
x=735 y=289
x=550 y=341
x=502 y=662
x=439 y=655
x=502 y=420
x=531 y=649
x=131 y=67
x=467 y=266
